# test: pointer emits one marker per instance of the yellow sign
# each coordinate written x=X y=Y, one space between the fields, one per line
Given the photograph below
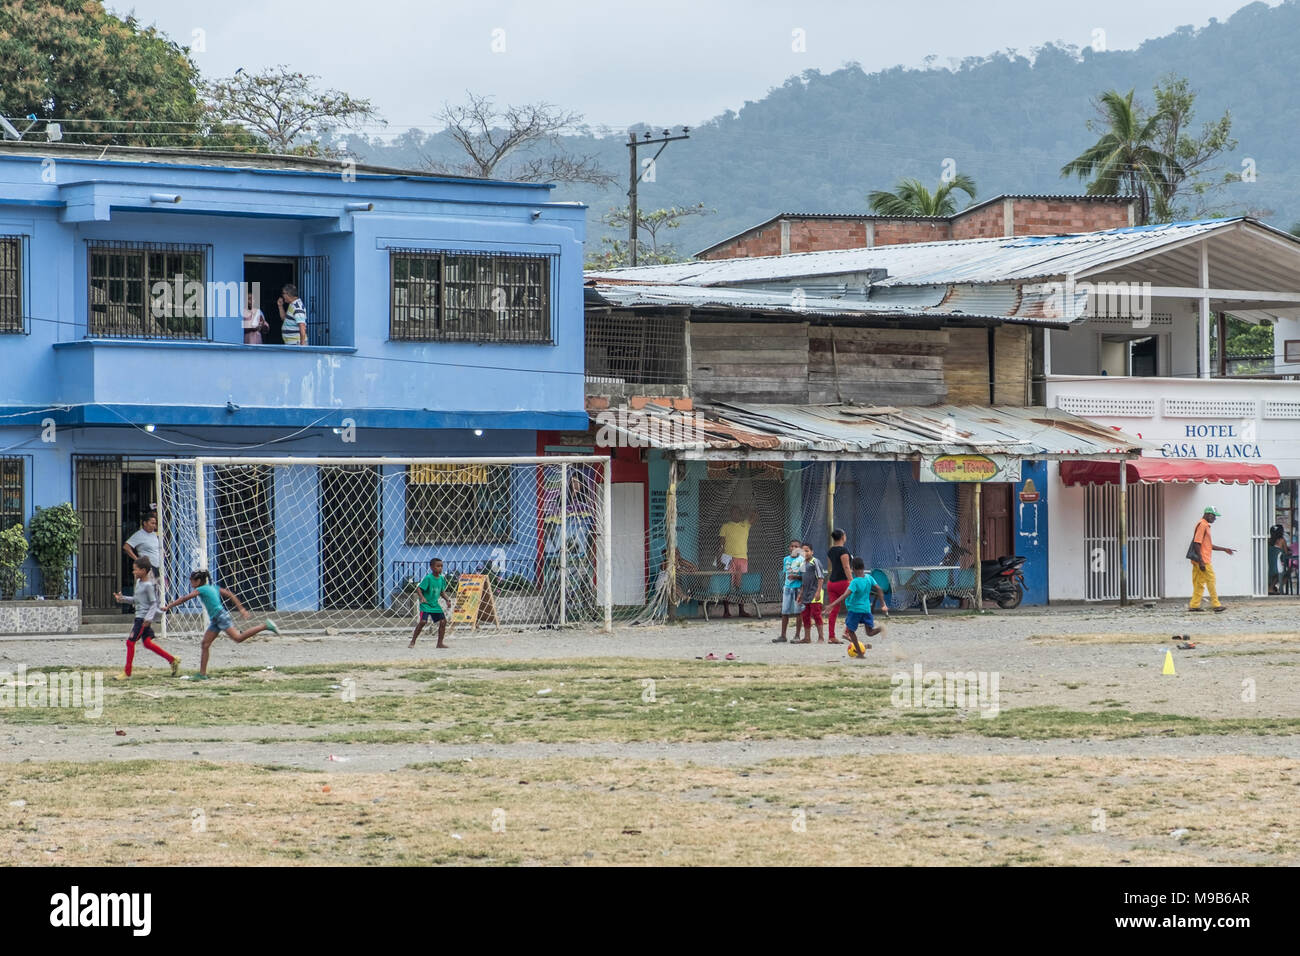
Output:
x=448 y=474
x=473 y=600
x=964 y=468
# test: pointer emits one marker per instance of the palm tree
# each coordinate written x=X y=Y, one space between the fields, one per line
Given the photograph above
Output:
x=1124 y=161
x=911 y=198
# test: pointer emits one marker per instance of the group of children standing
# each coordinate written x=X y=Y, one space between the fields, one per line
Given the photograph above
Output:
x=805 y=588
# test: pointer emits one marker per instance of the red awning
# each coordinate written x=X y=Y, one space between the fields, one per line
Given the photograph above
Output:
x=1181 y=470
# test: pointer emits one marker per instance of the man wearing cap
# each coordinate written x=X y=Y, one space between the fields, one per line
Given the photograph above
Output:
x=1203 y=570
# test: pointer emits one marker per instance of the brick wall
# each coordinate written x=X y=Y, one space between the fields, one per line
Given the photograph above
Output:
x=1046 y=217
x=1032 y=217
x=980 y=224
x=893 y=232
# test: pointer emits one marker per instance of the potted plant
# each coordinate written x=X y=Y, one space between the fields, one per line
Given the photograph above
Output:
x=13 y=551
x=55 y=534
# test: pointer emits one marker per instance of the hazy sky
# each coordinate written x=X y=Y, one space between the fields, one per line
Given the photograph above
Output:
x=620 y=62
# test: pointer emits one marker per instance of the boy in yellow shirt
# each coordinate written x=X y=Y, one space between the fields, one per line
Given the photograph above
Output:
x=734 y=536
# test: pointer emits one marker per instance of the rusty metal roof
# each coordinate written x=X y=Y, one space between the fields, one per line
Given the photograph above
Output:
x=794 y=432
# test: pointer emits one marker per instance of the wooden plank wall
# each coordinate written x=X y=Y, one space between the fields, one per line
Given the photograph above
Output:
x=794 y=363
x=750 y=362
x=1011 y=362
x=966 y=367
x=876 y=366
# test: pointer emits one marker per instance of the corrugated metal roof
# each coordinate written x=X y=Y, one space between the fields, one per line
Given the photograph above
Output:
x=881 y=432
x=996 y=303
x=997 y=259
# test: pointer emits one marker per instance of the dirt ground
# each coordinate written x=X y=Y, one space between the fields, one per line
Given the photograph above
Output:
x=814 y=767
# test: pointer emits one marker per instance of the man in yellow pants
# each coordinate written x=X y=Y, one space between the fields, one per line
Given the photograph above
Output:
x=1203 y=570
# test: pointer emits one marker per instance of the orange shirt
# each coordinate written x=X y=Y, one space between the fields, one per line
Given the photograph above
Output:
x=1202 y=534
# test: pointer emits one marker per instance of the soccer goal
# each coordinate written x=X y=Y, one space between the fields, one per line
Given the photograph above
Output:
x=339 y=545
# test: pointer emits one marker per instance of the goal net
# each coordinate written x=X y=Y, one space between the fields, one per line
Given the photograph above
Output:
x=339 y=545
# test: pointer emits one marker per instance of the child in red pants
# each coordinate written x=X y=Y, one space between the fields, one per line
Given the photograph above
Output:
x=145 y=600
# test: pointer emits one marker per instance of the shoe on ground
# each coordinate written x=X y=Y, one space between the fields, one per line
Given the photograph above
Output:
x=122 y=676
x=200 y=677
x=1221 y=607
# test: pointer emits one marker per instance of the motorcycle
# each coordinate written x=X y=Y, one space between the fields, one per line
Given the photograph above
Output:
x=1002 y=581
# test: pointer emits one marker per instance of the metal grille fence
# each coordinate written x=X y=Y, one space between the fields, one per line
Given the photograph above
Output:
x=635 y=349
x=122 y=278
x=470 y=296
x=1145 y=541
x=13 y=256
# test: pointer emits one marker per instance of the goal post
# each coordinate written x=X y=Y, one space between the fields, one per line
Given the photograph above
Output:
x=340 y=544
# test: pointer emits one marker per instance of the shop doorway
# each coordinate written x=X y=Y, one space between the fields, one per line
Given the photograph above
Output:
x=266 y=276
x=113 y=494
x=996 y=517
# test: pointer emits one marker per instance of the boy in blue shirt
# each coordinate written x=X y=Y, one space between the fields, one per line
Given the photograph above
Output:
x=791 y=578
x=857 y=601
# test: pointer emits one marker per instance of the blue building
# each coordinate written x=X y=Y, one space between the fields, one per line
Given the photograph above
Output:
x=443 y=317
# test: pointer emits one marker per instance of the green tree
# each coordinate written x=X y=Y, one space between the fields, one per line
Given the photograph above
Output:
x=912 y=198
x=1193 y=153
x=1127 y=159
x=55 y=534
x=106 y=80
x=283 y=110
x=651 y=223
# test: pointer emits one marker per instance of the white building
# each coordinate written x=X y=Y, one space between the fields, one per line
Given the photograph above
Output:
x=1141 y=360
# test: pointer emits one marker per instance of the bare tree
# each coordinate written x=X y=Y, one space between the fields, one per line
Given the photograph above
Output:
x=489 y=136
x=285 y=109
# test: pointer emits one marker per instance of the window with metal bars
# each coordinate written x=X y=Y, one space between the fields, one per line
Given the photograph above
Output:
x=458 y=504
x=11 y=492
x=636 y=349
x=12 y=318
x=469 y=297
x=147 y=290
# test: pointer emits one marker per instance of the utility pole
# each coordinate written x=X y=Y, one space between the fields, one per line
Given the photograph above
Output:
x=634 y=175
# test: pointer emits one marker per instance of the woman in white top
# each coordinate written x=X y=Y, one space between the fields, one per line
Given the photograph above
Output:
x=254 y=323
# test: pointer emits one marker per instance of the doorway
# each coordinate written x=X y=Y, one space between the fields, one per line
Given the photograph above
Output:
x=997 y=533
x=112 y=495
x=627 y=559
x=349 y=537
x=268 y=275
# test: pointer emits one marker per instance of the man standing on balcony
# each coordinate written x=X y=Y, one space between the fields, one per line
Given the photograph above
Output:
x=293 y=316
x=1203 y=569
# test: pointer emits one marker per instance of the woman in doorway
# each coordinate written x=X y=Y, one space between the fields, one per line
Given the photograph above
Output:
x=254 y=323
x=1279 y=558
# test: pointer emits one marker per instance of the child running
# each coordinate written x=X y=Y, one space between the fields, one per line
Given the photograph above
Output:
x=857 y=601
x=431 y=588
x=145 y=600
x=218 y=617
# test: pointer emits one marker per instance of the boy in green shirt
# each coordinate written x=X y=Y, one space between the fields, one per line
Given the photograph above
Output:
x=431 y=589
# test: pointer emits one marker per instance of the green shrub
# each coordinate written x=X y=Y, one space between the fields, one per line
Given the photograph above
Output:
x=13 y=551
x=55 y=534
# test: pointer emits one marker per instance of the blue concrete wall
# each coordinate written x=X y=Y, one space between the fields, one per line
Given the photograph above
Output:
x=242 y=212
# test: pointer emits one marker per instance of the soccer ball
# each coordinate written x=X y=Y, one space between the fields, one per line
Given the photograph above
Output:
x=853 y=651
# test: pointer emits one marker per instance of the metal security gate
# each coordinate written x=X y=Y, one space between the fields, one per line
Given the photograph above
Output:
x=99 y=505
x=313 y=289
x=1261 y=518
x=1145 y=541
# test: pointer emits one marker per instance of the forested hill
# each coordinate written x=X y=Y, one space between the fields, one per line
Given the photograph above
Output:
x=820 y=142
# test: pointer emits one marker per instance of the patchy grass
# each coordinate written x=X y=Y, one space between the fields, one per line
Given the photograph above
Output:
x=882 y=810
x=606 y=700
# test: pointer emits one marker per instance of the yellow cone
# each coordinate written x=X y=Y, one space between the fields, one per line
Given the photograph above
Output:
x=1169 y=665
